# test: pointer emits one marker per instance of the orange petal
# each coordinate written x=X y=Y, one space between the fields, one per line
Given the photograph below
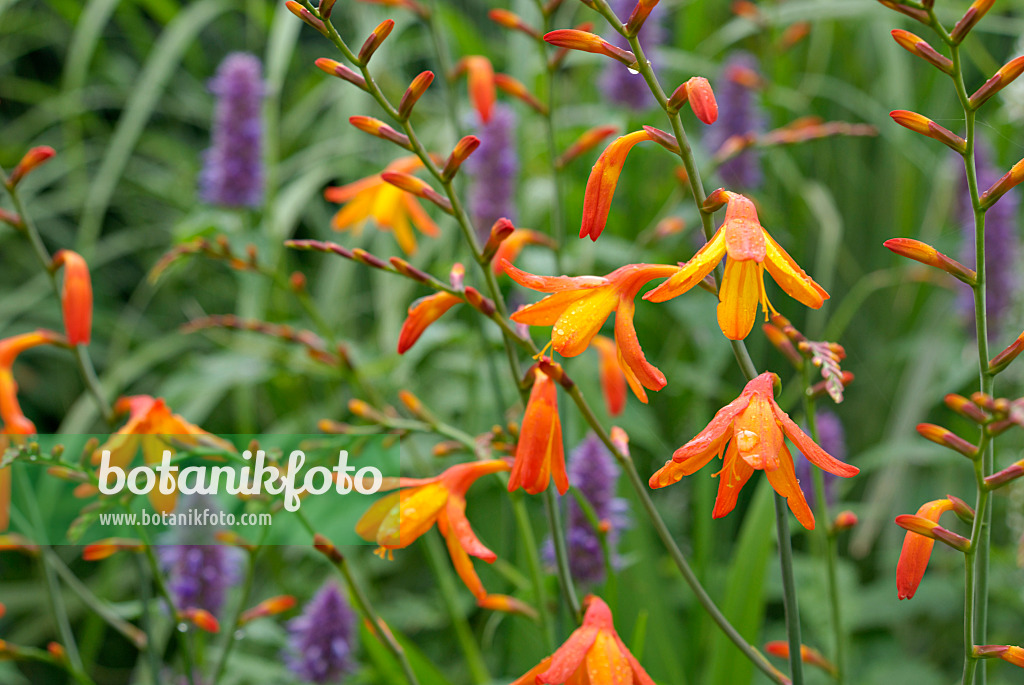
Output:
x=756 y=435
x=540 y=452
x=546 y=311
x=569 y=656
x=340 y=194
x=783 y=479
x=817 y=456
x=415 y=514
x=464 y=565
x=791 y=278
x=480 y=75
x=732 y=478
x=693 y=272
x=76 y=296
x=422 y=313
x=530 y=677
x=631 y=379
x=355 y=212
x=419 y=217
x=712 y=438
x=403 y=231
x=455 y=518
x=553 y=284
x=601 y=185
x=613 y=379
x=578 y=325
x=368 y=525
x=629 y=347
x=917 y=551
x=738 y=298
x=605 y=662
x=744 y=237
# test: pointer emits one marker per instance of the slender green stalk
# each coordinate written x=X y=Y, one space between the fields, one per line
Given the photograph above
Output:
x=146 y=598
x=789 y=598
x=529 y=546
x=230 y=639
x=561 y=555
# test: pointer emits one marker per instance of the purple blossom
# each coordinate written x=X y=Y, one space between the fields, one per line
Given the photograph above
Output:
x=321 y=639
x=494 y=167
x=621 y=85
x=1001 y=245
x=832 y=439
x=738 y=114
x=593 y=471
x=232 y=172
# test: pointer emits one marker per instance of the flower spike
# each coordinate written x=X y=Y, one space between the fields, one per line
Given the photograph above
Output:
x=604 y=177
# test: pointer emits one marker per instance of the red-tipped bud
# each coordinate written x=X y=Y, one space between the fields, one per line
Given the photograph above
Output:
x=375 y=39
x=965 y=408
x=947 y=438
x=327 y=548
x=414 y=92
x=335 y=68
x=480 y=78
x=715 y=201
x=325 y=8
x=808 y=655
x=1006 y=357
x=422 y=313
x=409 y=271
x=1008 y=653
x=920 y=525
x=306 y=16
x=639 y=16
x=462 y=150
x=845 y=520
x=1009 y=180
x=666 y=140
x=478 y=302
x=418 y=187
x=974 y=13
x=200 y=618
x=697 y=91
x=584 y=41
x=604 y=177
x=414 y=405
x=962 y=509
x=101 y=549
x=920 y=47
x=513 y=22
x=76 y=296
x=926 y=127
x=33 y=159
x=613 y=379
x=783 y=344
x=376 y=127
x=268 y=607
x=1001 y=478
x=516 y=89
x=912 y=12
x=586 y=142
x=926 y=254
x=501 y=230
x=539 y=451
x=1002 y=78
x=457 y=276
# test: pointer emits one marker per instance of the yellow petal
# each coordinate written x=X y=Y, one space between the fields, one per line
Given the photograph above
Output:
x=791 y=277
x=693 y=272
x=738 y=297
x=415 y=514
x=605 y=663
x=577 y=326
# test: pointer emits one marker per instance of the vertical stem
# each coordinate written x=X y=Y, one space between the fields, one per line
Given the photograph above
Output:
x=796 y=665
x=561 y=557
x=529 y=544
x=146 y=598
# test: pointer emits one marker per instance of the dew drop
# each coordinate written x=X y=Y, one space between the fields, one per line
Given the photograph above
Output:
x=182 y=627
x=632 y=71
x=239 y=634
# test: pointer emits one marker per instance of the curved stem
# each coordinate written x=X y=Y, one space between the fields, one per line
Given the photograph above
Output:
x=789 y=597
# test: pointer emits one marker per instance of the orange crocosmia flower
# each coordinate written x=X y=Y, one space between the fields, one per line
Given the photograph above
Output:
x=917 y=550
x=613 y=380
x=579 y=306
x=482 y=89
x=754 y=427
x=391 y=208
x=604 y=177
x=398 y=519
x=593 y=655
x=422 y=313
x=539 y=452
x=152 y=426
x=750 y=250
x=76 y=296
x=511 y=246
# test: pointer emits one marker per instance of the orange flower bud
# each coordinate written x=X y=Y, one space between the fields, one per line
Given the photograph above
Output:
x=375 y=39
x=462 y=150
x=587 y=141
x=920 y=47
x=793 y=34
x=1009 y=180
x=947 y=438
x=200 y=618
x=414 y=92
x=1002 y=78
x=962 y=509
x=325 y=8
x=13 y=542
x=926 y=127
x=697 y=91
x=76 y=296
x=101 y=549
x=604 y=177
x=33 y=159
x=305 y=15
x=1006 y=357
x=931 y=529
x=57 y=651
x=480 y=75
x=422 y=313
x=327 y=548
x=1013 y=655
x=971 y=17
x=418 y=187
x=845 y=520
x=268 y=607
x=513 y=22
x=613 y=380
x=409 y=271
x=808 y=655
x=621 y=440
x=516 y=89
x=912 y=12
x=335 y=68
x=574 y=39
x=965 y=408
x=480 y=303
x=917 y=550
x=376 y=127
x=783 y=344
x=457 y=276
x=926 y=254
x=540 y=454
x=1001 y=478
x=501 y=230
x=639 y=15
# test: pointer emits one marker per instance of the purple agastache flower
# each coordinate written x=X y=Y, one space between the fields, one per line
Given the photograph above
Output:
x=232 y=172
x=1001 y=244
x=494 y=167
x=321 y=638
x=738 y=114
x=593 y=471
x=832 y=439
x=621 y=85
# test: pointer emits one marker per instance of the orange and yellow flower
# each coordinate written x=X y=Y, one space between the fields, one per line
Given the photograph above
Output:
x=422 y=313
x=603 y=179
x=917 y=550
x=152 y=426
x=750 y=250
x=389 y=207
x=578 y=306
x=539 y=452
x=398 y=519
x=593 y=655
x=755 y=428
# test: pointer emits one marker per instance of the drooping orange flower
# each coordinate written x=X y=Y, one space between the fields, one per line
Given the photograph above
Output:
x=755 y=428
x=14 y=420
x=917 y=550
x=604 y=177
x=480 y=78
x=152 y=426
x=75 y=297
x=750 y=250
x=539 y=452
x=398 y=519
x=613 y=379
x=422 y=313
x=593 y=655
x=389 y=207
x=579 y=306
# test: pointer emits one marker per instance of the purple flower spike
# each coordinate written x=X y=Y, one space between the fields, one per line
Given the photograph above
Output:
x=232 y=172
x=832 y=439
x=321 y=639
x=738 y=115
x=494 y=167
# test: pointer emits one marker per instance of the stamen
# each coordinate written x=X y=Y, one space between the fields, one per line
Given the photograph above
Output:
x=542 y=352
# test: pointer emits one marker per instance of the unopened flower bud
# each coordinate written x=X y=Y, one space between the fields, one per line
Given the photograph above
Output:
x=305 y=15
x=589 y=140
x=516 y=89
x=268 y=607
x=697 y=91
x=926 y=254
x=376 y=127
x=931 y=529
x=947 y=438
x=584 y=41
x=663 y=139
x=844 y=520
x=327 y=548
x=418 y=187
x=462 y=150
x=1008 y=181
x=971 y=17
x=639 y=15
x=501 y=230
x=414 y=92
x=926 y=127
x=965 y=408
x=512 y=21
x=920 y=47
x=375 y=39
x=33 y=159
x=335 y=68
x=482 y=304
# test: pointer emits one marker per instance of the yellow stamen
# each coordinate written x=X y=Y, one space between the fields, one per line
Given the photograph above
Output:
x=542 y=352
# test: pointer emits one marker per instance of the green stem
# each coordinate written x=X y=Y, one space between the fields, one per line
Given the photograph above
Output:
x=146 y=597
x=796 y=664
x=529 y=546
x=230 y=639
x=561 y=554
